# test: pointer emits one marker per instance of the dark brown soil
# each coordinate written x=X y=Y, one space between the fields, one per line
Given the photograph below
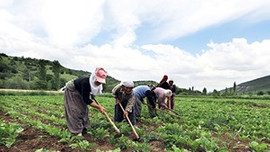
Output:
x=32 y=139
x=235 y=145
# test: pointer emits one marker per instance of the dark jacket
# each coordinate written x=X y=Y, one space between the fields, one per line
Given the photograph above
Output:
x=164 y=85
x=83 y=86
x=173 y=88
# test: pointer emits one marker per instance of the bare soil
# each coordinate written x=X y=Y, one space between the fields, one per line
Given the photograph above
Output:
x=235 y=145
x=32 y=139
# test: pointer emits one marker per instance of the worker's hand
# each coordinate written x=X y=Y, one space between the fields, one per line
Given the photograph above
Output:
x=117 y=101
x=102 y=109
x=125 y=113
x=164 y=107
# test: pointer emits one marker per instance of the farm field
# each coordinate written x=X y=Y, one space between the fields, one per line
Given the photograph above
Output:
x=36 y=123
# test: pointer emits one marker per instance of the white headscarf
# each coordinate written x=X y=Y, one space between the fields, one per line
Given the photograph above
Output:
x=94 y=88
x=128 y=83
x=168 y=93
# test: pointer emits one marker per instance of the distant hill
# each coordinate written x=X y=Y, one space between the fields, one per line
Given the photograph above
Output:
x=259 y=84
x=253 y=86
x=40 y=74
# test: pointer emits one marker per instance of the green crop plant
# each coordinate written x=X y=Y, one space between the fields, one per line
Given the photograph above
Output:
x=98 y=133
x=8 y=133
x=204 y=143
x=150 y=136
x=120 y=142
x=115 y=150
x=258 y=147
x=83 y=145
x=176 y=149
x=124 y=127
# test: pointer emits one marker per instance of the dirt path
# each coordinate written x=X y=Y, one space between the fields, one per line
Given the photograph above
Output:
x=20 y=90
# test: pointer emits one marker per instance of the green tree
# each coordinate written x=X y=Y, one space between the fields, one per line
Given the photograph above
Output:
x=260 y=93
x=62 y=82
x=56 y=71
x=216 y=93
x=28 y=75
x=234 y=87
x=41 y=82
x=16 y=83
x=4 y=67
x=204 y=91
x=42 y=70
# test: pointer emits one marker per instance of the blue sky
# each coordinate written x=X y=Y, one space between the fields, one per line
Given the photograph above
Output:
x=223 y=33
x=196 y=43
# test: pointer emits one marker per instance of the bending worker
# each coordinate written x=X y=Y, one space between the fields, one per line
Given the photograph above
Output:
x=124 y=95
x=140 y=93
x=162 y=96
x=77 y=94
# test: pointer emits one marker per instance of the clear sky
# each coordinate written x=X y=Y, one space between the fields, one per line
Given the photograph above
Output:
x=199 y=43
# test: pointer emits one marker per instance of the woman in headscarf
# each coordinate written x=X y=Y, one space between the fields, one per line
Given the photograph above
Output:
x=77 y=99
x=163 y=83
x=162 y=96
x=124 y=95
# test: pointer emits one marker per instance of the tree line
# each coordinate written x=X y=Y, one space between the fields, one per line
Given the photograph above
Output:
x=34 y=74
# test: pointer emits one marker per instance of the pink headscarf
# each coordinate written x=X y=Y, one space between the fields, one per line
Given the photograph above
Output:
x=101 y=75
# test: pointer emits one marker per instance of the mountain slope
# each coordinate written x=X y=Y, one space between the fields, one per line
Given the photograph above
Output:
x=39 y=74
x=259 y=84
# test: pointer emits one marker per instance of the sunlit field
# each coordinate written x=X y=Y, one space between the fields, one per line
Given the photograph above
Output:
x=37 y=122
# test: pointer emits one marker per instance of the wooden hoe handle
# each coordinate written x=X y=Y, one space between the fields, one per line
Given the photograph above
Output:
x=109 y=119
x=134 y=131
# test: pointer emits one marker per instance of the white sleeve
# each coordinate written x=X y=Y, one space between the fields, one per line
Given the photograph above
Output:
x=100 y=89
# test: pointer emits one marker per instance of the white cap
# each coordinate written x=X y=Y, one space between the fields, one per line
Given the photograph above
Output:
x=168 y=93
x=128 y=84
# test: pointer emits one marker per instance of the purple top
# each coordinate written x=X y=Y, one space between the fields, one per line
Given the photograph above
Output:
x=160 y=94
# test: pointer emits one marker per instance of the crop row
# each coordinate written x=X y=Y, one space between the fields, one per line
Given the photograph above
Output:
x=205 y=124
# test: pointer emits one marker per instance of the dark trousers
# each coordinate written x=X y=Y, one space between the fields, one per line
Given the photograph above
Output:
x=138 y=108
x=172 y=101
x=119 y=114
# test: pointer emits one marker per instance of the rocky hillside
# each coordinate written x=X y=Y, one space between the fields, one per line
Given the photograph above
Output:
x=259 y=84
